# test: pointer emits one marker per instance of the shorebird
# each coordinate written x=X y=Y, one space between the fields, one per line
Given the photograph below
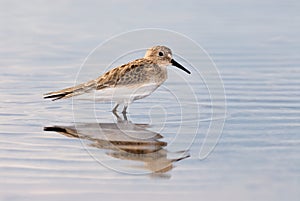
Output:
x=127 y=83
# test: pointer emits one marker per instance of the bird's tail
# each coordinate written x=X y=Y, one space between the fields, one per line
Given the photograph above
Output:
x=71 y=91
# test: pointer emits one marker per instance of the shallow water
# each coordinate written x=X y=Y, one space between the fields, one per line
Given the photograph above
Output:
x=257 y=156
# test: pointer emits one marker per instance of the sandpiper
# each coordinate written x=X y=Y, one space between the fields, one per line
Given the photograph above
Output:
x=127 y=83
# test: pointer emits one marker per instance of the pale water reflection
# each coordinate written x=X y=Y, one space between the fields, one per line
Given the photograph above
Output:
x=125 y=140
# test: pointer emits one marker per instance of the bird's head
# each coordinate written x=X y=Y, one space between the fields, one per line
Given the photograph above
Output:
x=162 y=55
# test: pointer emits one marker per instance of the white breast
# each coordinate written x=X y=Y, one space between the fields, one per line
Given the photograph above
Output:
x=125 y=94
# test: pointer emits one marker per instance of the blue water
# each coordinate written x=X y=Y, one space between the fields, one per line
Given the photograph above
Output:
x=255 y=46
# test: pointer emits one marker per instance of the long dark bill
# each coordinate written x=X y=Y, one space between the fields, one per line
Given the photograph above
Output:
x=178 y=65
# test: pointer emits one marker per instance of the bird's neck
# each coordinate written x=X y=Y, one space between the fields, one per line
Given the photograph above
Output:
x=162 y=74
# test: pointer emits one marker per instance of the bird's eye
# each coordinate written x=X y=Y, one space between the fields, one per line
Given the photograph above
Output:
x=161 y=54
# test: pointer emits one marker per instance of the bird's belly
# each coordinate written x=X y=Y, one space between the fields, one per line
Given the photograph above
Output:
x=125 y=94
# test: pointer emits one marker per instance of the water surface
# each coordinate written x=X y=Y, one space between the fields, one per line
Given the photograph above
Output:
x=255 y=46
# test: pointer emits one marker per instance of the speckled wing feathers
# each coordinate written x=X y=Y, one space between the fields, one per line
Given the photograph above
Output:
x=129 y=74
x=132 y=73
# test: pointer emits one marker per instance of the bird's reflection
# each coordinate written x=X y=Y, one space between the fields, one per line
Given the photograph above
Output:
x=127 y=141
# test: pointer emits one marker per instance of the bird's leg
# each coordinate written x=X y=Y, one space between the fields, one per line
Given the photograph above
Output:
x=117 y=116
x=125 y=108
x=124 y=112
x=115 y=108
x=125 y=116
